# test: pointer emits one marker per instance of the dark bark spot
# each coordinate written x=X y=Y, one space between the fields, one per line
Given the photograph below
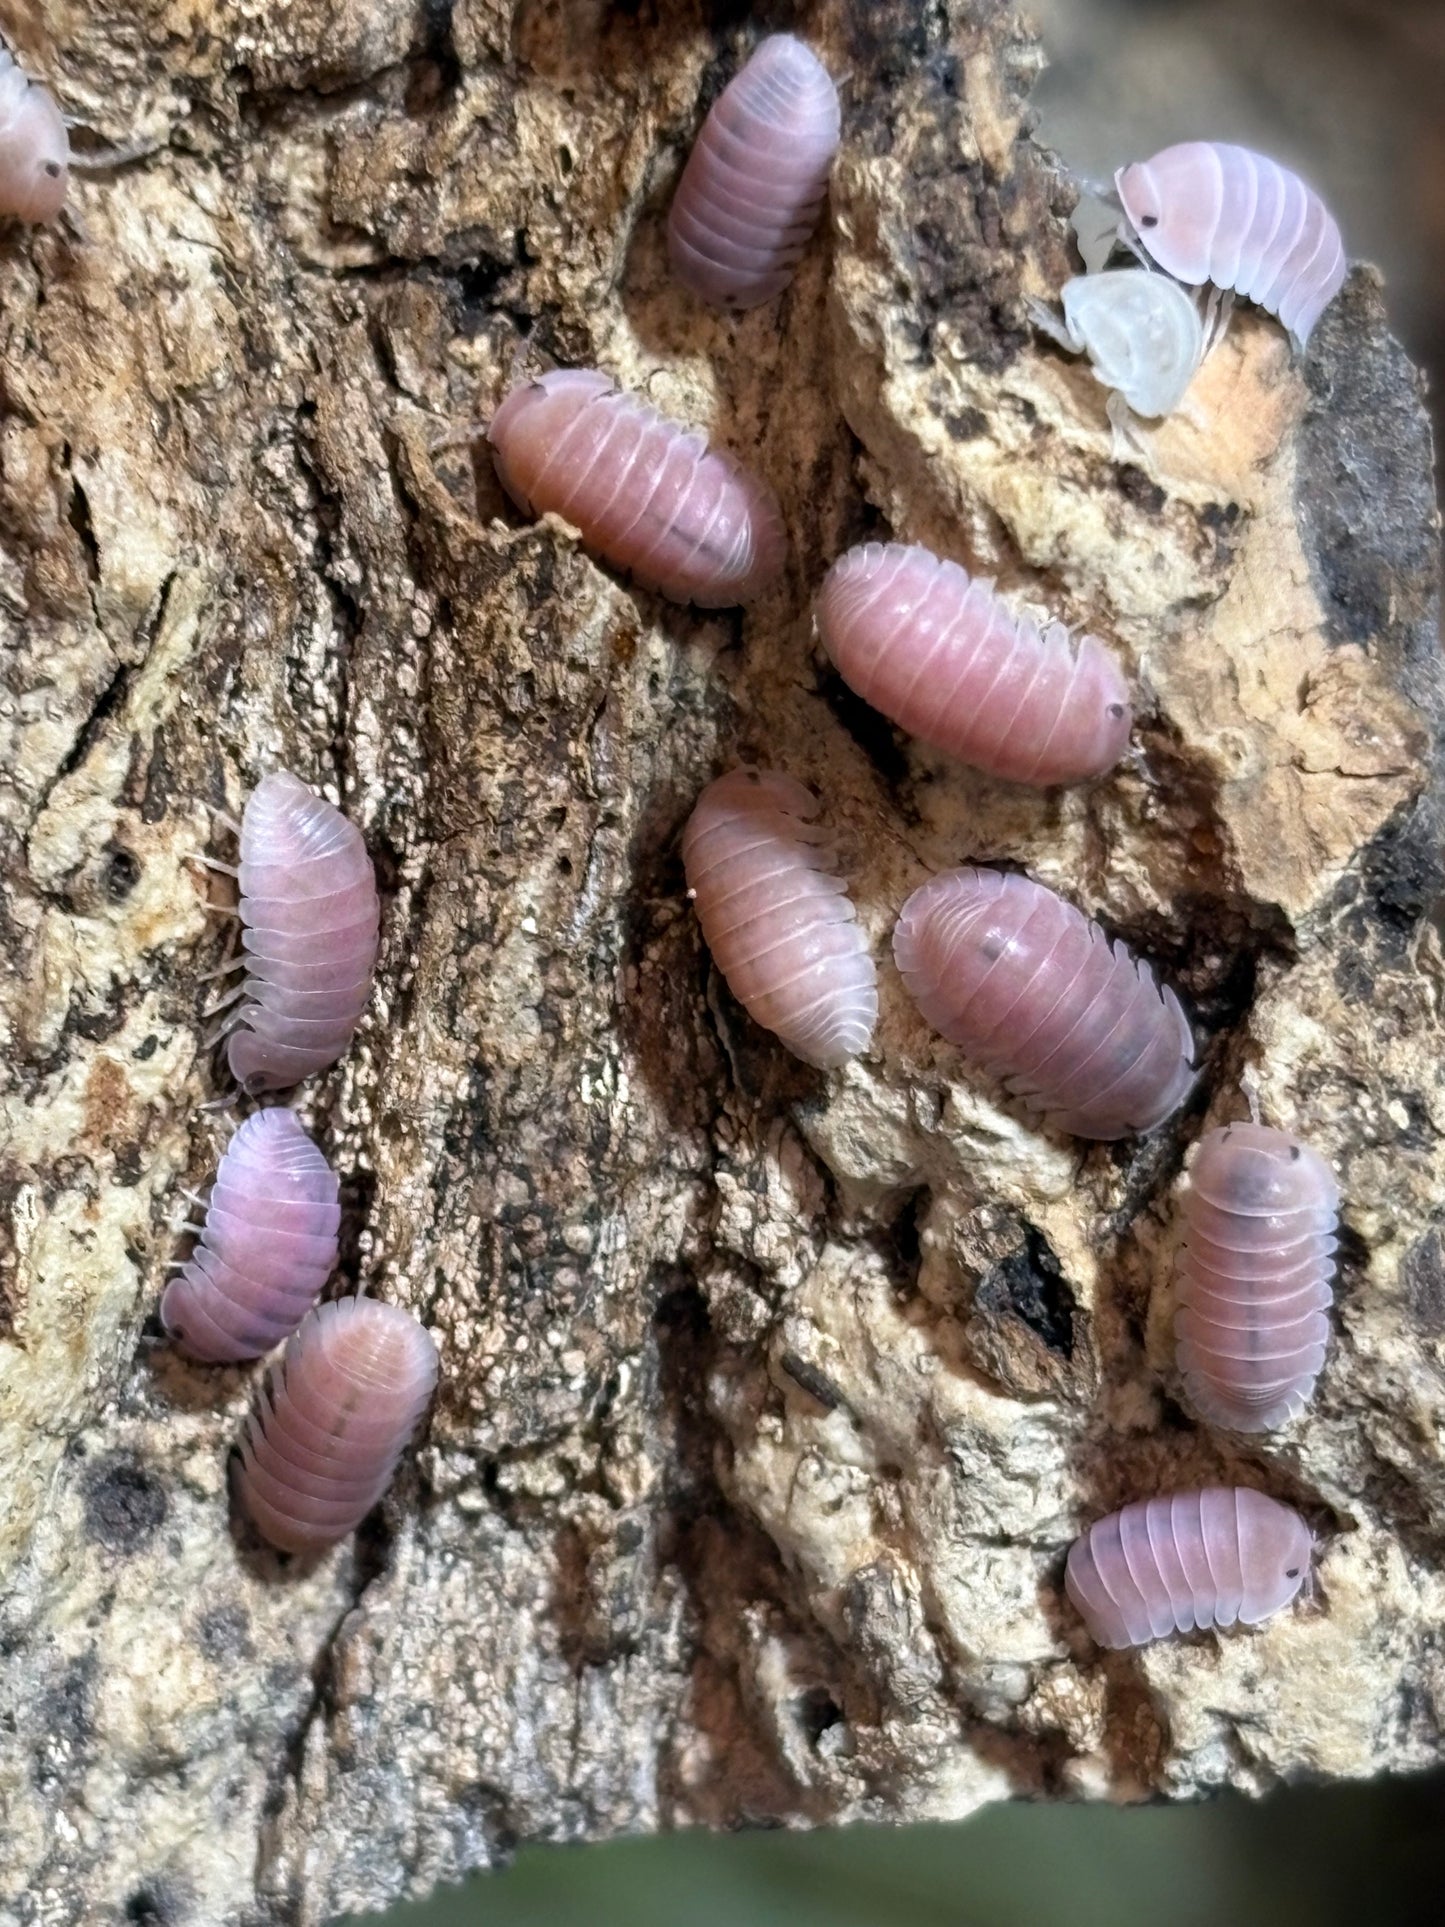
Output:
x=1030 y=1284
x=125 y=1505
x=121 y=875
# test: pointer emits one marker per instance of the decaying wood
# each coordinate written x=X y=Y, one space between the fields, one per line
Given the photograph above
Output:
x=770 y=1401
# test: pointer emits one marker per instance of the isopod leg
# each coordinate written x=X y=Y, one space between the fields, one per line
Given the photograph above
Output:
x=1218 y=313
x=1128 y=443
x=224 y=1003
x=236 y=961
x=1047 y=322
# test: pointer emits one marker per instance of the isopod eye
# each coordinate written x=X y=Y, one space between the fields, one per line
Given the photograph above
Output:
x=1148 y=220
x=52 y=168
x=1291 y=1572
x=1116 y=709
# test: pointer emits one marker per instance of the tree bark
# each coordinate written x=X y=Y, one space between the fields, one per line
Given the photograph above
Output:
x=770 y=1401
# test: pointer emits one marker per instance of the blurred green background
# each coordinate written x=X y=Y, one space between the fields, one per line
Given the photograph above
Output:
x=1364 y=1856
x=1351 y=92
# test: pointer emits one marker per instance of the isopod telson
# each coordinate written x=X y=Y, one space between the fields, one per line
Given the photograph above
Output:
x=267 y=1247
x=754 y=185
x=1210 y=211
x=777 y=919
x=1222 y=1556
x=1259 y=1211
x=1036 y=995
x=34 y=147
x=1143 y=334
x=944 y=657
x=648 y=495
x=311 y=916
x=331 y=1421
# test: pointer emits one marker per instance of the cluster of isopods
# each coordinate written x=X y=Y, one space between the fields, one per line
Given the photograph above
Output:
x=1072 y=1026
x=337 y=1409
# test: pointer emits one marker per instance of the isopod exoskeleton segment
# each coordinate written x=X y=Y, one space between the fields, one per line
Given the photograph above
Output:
x=755 y=182
x=1260 y=1211
x=34 y=147
x=776 y=917
x=1223 y=1556
x=1143 y=334
x=1035 y=994
x=311 y=916
x=1209 y=211
x=332 y=1418
x=944 y=657
x=648 y=495
x=267 y=1247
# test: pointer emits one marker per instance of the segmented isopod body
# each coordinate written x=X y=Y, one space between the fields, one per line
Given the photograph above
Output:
x=34 y=147
x=649 y=495
x=754 y=184
x=311 y=913
x=946 y=659
x=1142 y=332
x=267 y=1247
x=777 y=919
x=1035 y=993
x=1209 y=211
x=332 y=1419
x=1222 y=1556
x=1260 y=1211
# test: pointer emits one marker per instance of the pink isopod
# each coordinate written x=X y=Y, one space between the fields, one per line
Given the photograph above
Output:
x=1260 y=1211
x=1223 y=1556
x=777 y=918
x=332 y=1419
x=648 y=495
x=1036 y=995
x=311 y=917
x=754 y=185
x=267 y=1247
x=1209 y=211
x=34 y=147
x=945 y=658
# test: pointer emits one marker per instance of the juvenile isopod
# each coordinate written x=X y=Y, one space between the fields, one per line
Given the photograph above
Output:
x=1223 y=1556
x=311 y=916
x=1143 y=334
x=267 y=1247
x=755 y=182
x=946 y=659
x=34 y=147
x=332 y=1419
x=1035 y=994
x=777 y=919
x=1209 y=211
x=1260 y=1211
x=648 y=495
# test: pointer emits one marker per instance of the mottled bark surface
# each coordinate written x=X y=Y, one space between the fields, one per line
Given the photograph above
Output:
x=770 y=1401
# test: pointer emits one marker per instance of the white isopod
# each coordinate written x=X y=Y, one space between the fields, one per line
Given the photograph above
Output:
x=1143 y=334
x=1145 y=337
